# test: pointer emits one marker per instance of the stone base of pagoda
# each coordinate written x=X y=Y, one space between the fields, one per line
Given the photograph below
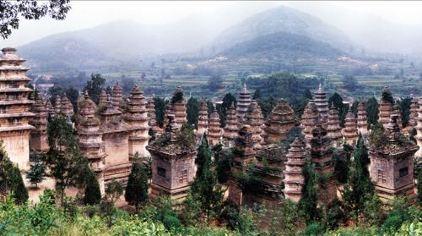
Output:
x=177 y=195
x=387 y=195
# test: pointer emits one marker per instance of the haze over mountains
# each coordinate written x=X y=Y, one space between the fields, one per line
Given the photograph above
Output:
x=284 y=29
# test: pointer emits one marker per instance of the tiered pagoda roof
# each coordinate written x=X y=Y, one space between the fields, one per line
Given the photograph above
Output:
x=333 y=127
x=362 y=120
x=255 y=120
x=214 y=129
x=293 y=177
x=279 y=122
x=321 y=102
x=243 y=103
x=232 y=126
x=350 y=131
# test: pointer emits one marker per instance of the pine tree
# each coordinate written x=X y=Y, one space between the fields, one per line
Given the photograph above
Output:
x=308 y=204
x=204 y=188
x=11 y=179
x=137 y=185
x=36 y=173
x=92 y=194
x=359 y=187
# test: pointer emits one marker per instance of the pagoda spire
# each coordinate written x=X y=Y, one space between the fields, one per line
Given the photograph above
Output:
x=243 y=103
x=214 y=129
x=39 y=141
x=385 y=108
x=309 y=121
x=117 y=97
x=178 y=103
x=255 y=120
x=362 y=120
x=350 y=131
x=333 y=127
x=293 y=177
x=231 y=129
x=202 y=119
x=321 y=102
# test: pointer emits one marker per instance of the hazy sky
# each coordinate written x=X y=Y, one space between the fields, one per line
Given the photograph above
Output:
x=85 y=14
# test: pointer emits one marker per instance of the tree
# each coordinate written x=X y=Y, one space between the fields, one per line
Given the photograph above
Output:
x=404 y=104
x=92 y=194
x=73 y=95
x=359 y=187
x=386 y=95
x=160 y=107
x=64 y=160
x=113 y=191
x=36 y=173
x=10 y=179
x=228 y=100
x=137 y=185
x=205 y=188
x=12 y=11
x=372 y=110
x=94 y=87
x=337 y=102
x=192 y=111
x=308 y=203
x=419 y=186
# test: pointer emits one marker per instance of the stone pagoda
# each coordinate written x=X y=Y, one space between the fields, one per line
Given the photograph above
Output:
x=391 y=167
x=66 y=107
x=116 y=141
x=350 y=131
x=309 y=121
x=90 y=137
x=321 y=102
x=243 y=103
x=50 y=108
x=58 y=106
x=202 y=119
x=214 y=129
x=173 y=164
x=322 y=157
x=103 y=100
x=385 y=110
x=362 y=120
x=255 y=120
x=178 y=103
x=231 y=129
x=137 y=119
x=244 y=155
x=39 y=139
x=293 y=176
x=396 y=112
x=117 y=96
x=269 y=167
x=279 y=123
x=15 y=107
x=418 y=127
x=333 y=128
x=413 y=116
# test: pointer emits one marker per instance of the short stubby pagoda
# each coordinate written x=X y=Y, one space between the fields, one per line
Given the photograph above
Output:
x=391 y=167
x=173 y=163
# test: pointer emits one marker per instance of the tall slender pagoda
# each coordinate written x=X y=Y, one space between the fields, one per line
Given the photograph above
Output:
x=66 y=107
x=279 y=123
x=232 y=126
x=362 y=120
x=245 y=154
x=152 y=118
x=117 y=96
x=103 y=99
x=255 y=120
x=178 y=103
x=350 y=131
x=385 y=109
x=418 y=137
x=90 y=137
x=413 y=116
x=333 y=127
x=39 y=139
x=137 y=120
x=15 y=107
x=309 y=121
x=322 y=158
x=243 y=103
x=214 y=129
x=293 y=177
x=202 y=119
x=321 y=102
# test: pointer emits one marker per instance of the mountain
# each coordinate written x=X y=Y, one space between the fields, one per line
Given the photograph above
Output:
x=282 y=44
x=280 y=19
